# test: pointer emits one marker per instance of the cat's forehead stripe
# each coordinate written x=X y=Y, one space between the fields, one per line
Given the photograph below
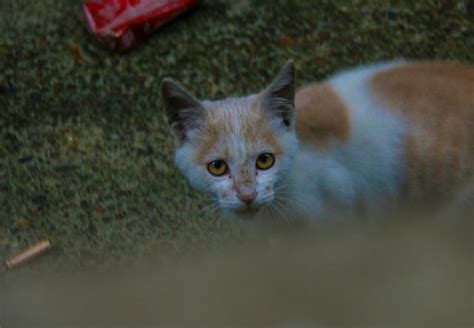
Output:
x=233 y=128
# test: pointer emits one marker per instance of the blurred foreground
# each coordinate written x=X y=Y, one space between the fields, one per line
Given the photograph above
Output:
x=398 y=272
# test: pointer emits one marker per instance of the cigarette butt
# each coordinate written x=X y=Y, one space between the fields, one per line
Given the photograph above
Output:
x=28 y=254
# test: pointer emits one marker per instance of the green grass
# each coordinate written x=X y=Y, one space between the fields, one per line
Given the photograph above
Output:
x=85 y=155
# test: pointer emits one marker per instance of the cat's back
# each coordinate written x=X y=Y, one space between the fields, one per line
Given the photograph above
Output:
x=436 y=101
x=427 y=107
x=423 y=94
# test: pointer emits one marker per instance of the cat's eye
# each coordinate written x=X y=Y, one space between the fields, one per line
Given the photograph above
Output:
x=217 y=167
x=265 y=161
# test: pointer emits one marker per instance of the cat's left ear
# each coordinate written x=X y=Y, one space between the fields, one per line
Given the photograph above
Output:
x=184 y=112
x=279 y=97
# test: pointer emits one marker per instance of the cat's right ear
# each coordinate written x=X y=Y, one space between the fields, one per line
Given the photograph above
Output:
x=183 y=111
x=279 y=97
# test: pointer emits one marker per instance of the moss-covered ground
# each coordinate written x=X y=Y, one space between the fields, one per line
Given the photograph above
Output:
x=85 y=155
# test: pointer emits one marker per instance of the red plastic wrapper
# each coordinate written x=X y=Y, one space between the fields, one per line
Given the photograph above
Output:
x=122 y=24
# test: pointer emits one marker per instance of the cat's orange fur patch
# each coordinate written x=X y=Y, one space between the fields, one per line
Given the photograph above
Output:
x=321 y=116
x=437 y=102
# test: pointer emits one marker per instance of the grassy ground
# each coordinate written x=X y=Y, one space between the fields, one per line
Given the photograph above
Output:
x=85 y=156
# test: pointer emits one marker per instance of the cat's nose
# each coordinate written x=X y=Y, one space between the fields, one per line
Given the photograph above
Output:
x=248 y=198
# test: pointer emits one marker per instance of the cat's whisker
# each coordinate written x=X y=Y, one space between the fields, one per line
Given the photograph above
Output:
x=211 y=211
x=274 y=212
x=209 y=207
x=287 y=192
x=281 y=209
x=294 y=198
x=289 y=197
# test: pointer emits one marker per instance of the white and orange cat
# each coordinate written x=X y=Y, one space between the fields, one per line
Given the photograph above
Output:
x=365 y=141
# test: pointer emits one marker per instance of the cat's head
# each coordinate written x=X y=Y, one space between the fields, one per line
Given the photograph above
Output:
x=237 y=150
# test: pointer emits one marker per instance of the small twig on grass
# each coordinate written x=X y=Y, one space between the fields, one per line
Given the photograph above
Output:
x=27 y=254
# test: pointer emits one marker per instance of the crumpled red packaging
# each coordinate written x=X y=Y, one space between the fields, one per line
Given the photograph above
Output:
x=122 y=24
